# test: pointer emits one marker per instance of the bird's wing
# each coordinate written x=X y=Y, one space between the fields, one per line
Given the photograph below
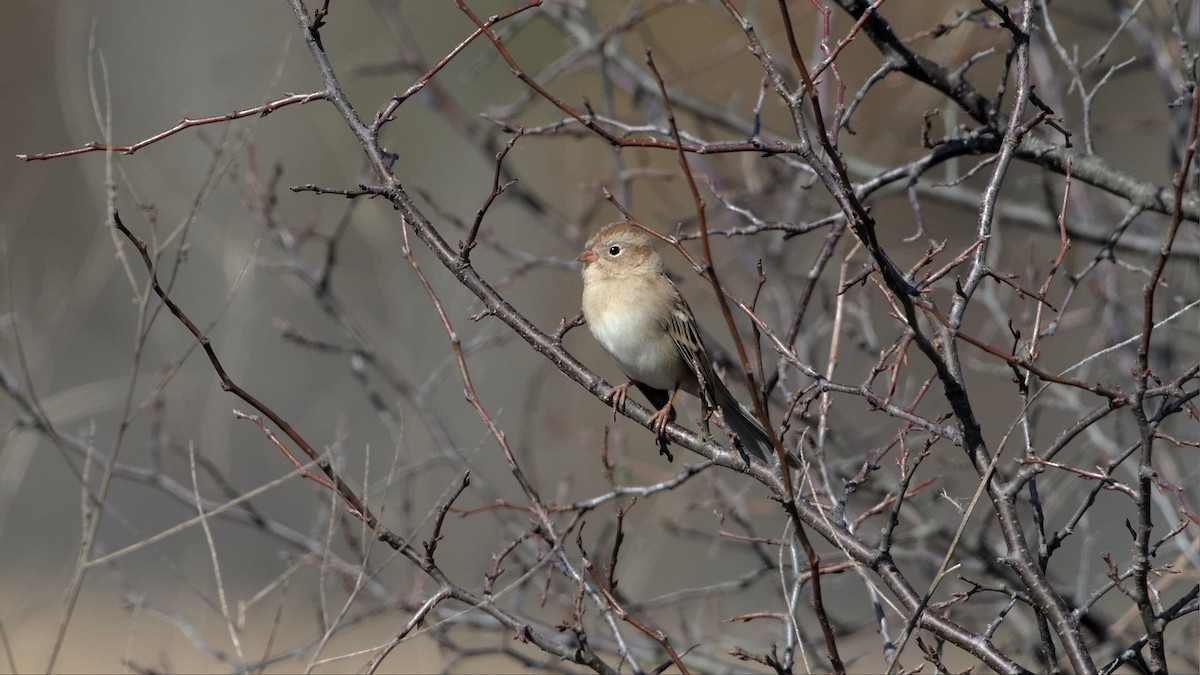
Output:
x=684 y=333
x=716 y=396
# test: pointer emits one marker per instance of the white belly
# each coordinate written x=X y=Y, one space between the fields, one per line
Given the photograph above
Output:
x=635 y=340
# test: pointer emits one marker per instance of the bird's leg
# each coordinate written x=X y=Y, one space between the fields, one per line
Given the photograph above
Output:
x=619 y=393
x=659 y=422
x=660 y=419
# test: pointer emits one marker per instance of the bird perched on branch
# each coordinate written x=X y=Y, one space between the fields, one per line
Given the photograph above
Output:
x=635 y=312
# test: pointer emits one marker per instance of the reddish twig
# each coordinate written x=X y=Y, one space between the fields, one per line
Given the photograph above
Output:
x=1110 y=393
x=440 y=517
x=1109 y=482
x=356 y=504
x=497 y=188
x=656 y=635
x=319 y=480
x=535 y=501
x=185 y=123
x=385 y=114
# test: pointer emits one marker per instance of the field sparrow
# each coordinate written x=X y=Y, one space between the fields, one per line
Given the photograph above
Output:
x=635 y=312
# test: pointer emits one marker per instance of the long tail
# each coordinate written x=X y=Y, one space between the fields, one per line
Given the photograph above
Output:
x=754 y=439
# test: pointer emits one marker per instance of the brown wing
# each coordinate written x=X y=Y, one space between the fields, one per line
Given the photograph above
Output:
x=686 y=336
x=681 y=326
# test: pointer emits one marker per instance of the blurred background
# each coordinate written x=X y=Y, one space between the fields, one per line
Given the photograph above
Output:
x=365 y=371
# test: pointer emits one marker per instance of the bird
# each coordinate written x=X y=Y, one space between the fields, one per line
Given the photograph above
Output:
x=639 y=317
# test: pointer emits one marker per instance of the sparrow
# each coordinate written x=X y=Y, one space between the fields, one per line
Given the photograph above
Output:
x=638 y=315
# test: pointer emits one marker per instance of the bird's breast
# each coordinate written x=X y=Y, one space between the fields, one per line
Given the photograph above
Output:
x=634 y=336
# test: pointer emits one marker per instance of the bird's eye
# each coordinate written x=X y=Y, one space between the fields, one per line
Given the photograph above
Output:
x=614 y=250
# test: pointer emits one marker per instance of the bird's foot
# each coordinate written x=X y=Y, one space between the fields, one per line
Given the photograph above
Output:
x=618 y=394
x=660 y=420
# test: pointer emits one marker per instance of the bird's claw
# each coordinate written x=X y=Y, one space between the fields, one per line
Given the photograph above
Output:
x=660 y=420
x=618 y=394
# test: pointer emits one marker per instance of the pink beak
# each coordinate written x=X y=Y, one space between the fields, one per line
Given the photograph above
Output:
x=587 y=256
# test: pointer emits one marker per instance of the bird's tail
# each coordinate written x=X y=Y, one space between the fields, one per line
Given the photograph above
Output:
x=744 y=425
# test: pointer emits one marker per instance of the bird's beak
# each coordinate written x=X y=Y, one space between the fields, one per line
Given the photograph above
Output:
x=587 y=256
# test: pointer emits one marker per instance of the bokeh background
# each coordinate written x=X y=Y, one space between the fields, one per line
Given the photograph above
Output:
x=69 y=318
